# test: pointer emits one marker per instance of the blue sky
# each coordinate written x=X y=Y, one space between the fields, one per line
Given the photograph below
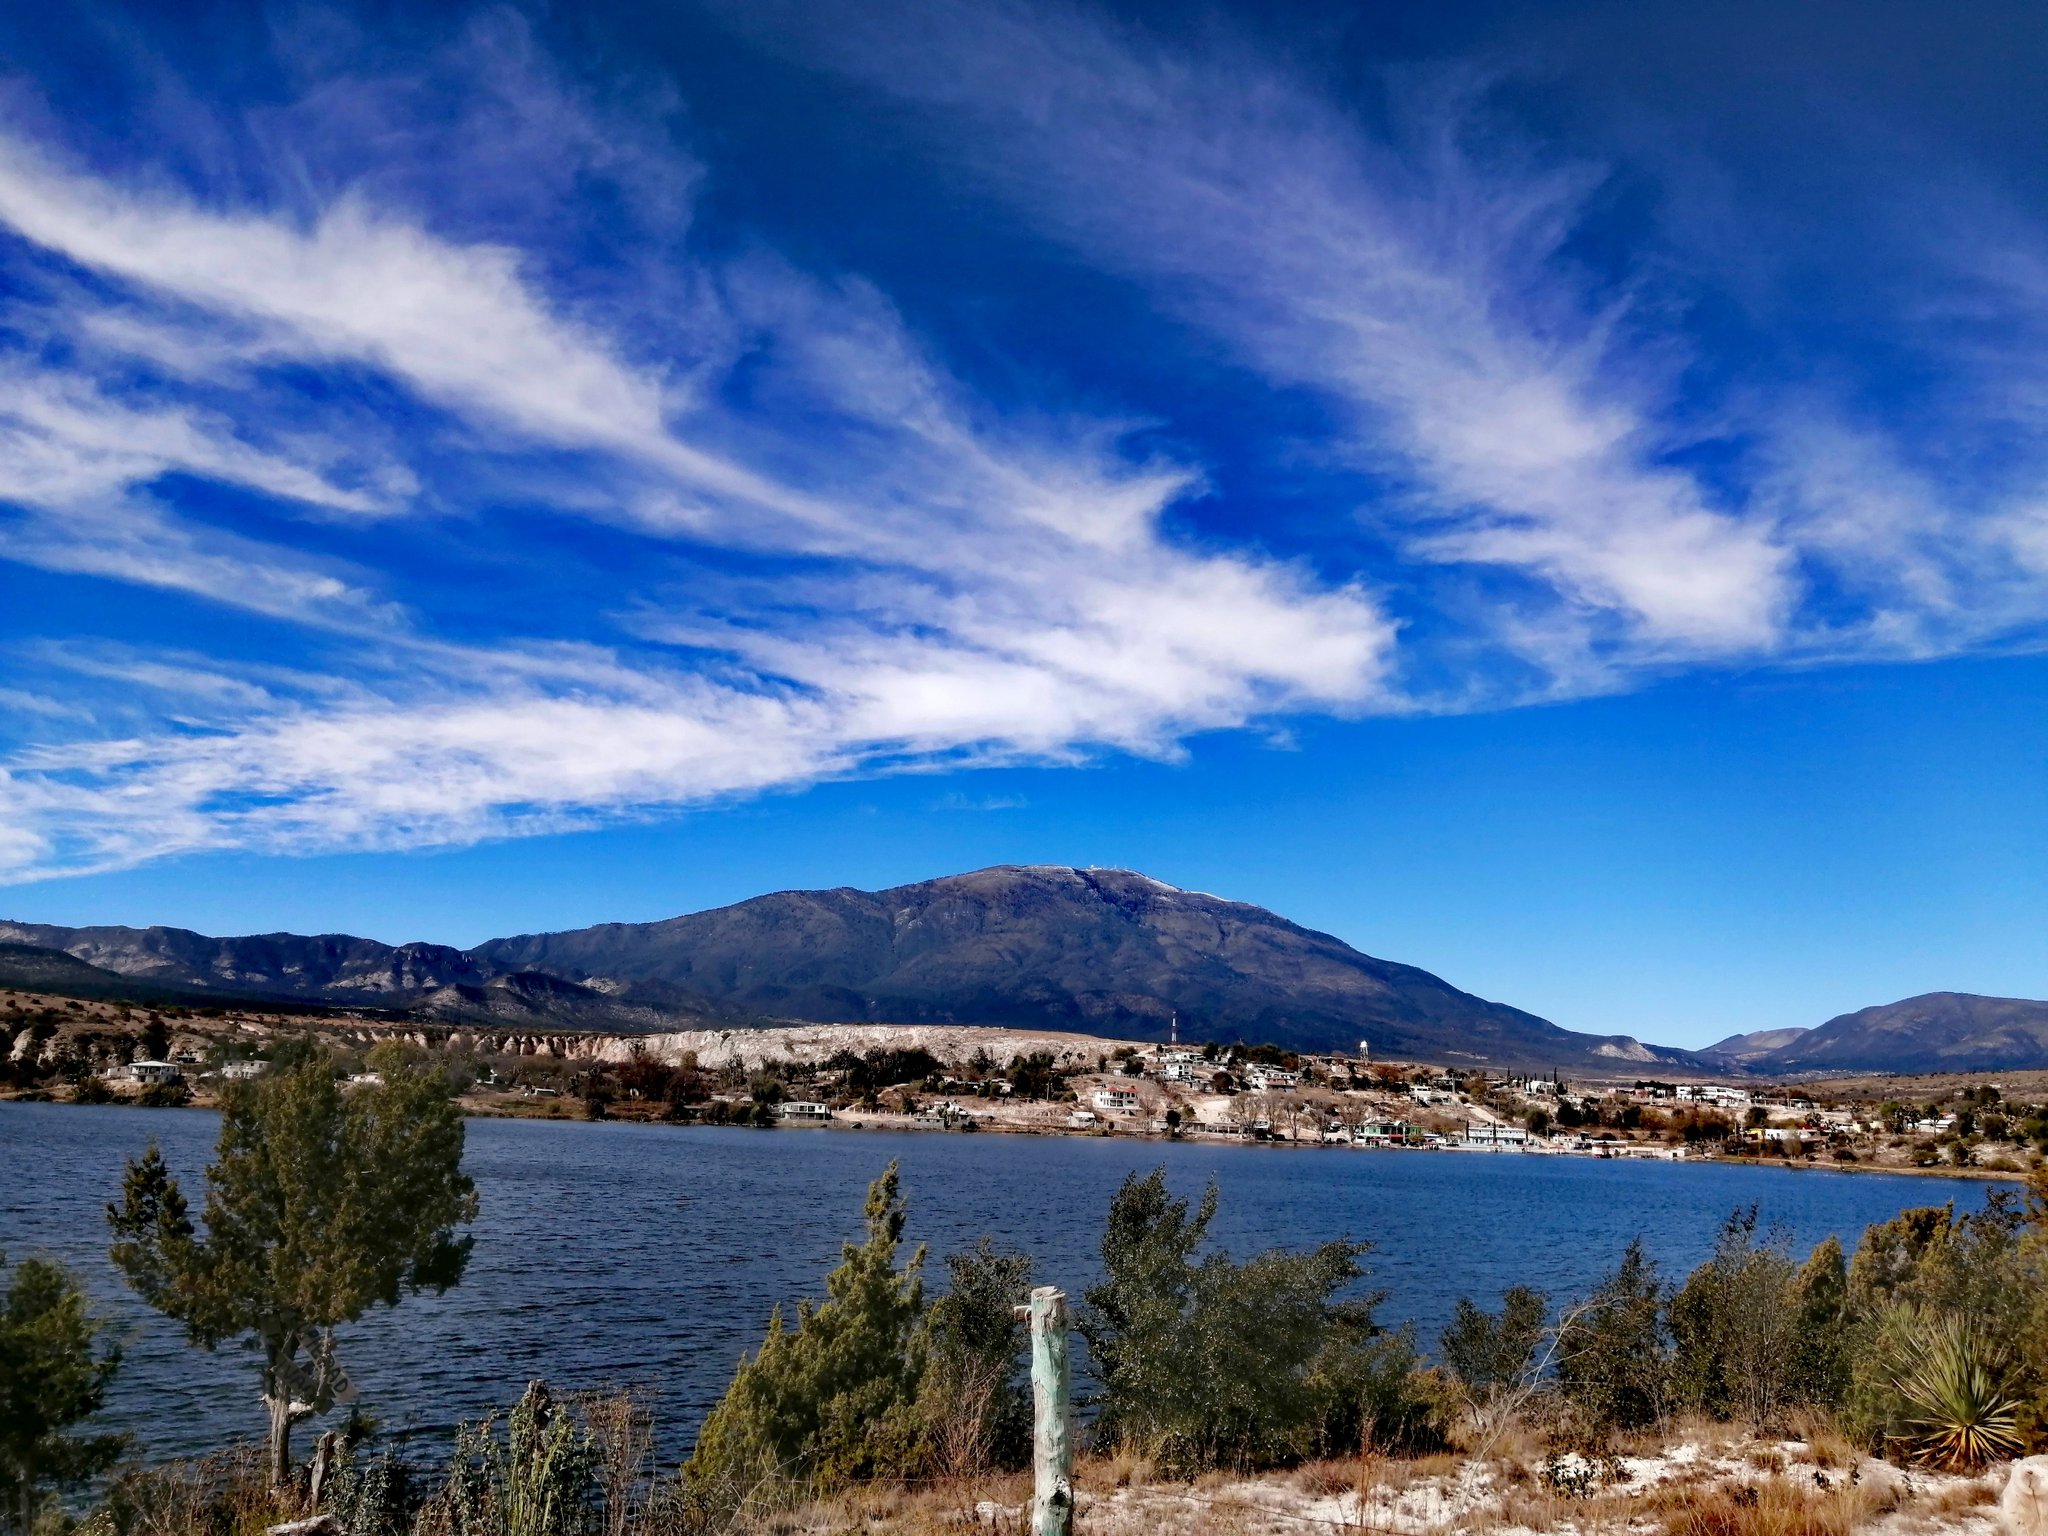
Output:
x=1556 y=494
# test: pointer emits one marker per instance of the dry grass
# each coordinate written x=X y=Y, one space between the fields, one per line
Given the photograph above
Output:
x=225 y=1492
x=1708 y=1483
x=1120 y=1469
x=1962 y=1497
x=1804 y=1502
x=1826 y=1446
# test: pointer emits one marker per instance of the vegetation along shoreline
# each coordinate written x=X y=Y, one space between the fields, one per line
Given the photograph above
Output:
x=1895 y=1385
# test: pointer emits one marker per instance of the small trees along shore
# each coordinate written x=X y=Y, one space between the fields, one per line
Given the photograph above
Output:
x=323 y=1201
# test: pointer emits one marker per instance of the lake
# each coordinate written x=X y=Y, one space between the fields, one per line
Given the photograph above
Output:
x=612 y=1254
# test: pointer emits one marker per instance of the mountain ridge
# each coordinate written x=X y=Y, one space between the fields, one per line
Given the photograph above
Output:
x=1934 y=1032
x=1102 y=951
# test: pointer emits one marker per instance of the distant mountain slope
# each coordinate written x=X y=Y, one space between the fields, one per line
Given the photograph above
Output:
x=535 y=1000
x=35 y=968
x=1100 y=951
x=1740 y=1050
x=330 y=967
x=1938 y=1032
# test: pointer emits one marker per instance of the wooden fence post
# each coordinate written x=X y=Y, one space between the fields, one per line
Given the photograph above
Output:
x=1052 y=1440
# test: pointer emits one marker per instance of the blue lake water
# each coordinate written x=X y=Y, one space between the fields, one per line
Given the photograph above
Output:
x=616 y=1254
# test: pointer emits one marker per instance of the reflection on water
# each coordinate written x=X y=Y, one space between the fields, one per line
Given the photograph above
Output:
x=611 y=1254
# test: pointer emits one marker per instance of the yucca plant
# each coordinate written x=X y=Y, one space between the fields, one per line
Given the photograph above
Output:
x=1959 y=1415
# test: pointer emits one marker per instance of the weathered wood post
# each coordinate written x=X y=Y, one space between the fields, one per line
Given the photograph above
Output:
x=1052 y=1440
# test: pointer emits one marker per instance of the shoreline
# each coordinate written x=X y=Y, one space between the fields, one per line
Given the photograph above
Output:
x=871 y=1124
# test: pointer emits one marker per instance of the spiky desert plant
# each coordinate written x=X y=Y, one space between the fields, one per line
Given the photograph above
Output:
x=1953 y=1383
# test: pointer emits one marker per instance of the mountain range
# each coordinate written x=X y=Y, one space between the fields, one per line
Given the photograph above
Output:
x=1936 y=1032
x=1106 y=952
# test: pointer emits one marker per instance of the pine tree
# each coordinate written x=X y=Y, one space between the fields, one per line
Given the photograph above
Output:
x=52 y=1376
x=829 y=1399
x=321 y=1203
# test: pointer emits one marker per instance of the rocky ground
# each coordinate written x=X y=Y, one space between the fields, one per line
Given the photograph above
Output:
x=1708 y=1481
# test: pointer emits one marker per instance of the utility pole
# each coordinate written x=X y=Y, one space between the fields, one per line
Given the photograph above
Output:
x=1052 y=1438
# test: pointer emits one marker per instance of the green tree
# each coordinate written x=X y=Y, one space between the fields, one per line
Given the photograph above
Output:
x=1734 y=1327
x=829 y=1399
x=1613 y=1364
x=320 y=1204
x=1492 y=1356
x=1210 y=1362
x=53 y=1375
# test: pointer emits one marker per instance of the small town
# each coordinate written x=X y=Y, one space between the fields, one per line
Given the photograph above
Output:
x=975 y=1079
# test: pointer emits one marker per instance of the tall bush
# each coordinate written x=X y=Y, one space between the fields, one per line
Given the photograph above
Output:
x=1820 y=1328
x=972 y=1407
x=1206 y=1362
x=538 y=1479
x=1613 y=1364
x=1734 y=1327
x=1493 y=1358
x=1928 y=1273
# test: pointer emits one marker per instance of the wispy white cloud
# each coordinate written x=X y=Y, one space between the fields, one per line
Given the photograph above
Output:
x=947 y=587
x=1419 y=284
x=839 y=558
x=953 y=800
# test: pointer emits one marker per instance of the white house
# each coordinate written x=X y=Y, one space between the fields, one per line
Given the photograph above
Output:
x=1496 y=1136
x=802 y=1109
x=153 y=1072
x=1117 y=1100
x=1081 y=1119
x=241 y=1071
x=1263 y=1079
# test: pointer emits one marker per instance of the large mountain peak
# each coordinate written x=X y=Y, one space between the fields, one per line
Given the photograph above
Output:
x=1109 y=951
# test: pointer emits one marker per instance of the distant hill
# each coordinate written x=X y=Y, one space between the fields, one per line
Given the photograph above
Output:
x=1938 y=1032
x=536 y=1000
x=335 y=968
x=38 y=968
x=1739 y=1051
x=1100 y=951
